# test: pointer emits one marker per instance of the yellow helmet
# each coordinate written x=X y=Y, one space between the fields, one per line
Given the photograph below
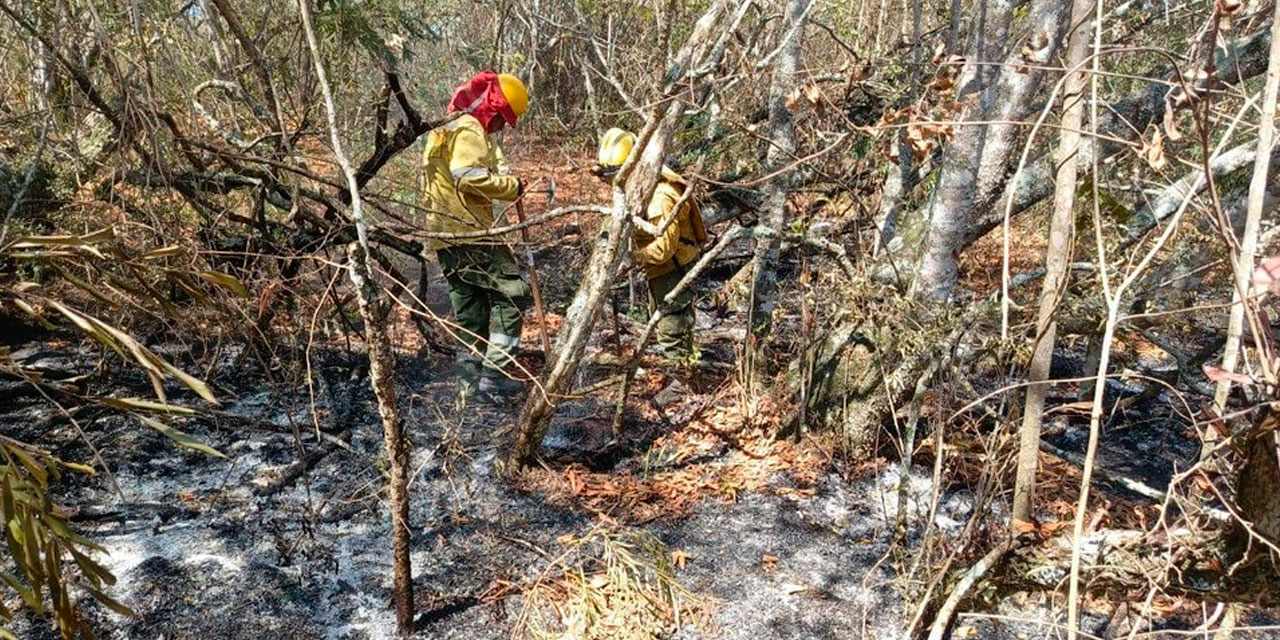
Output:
x=615 y=146
x=513 y=90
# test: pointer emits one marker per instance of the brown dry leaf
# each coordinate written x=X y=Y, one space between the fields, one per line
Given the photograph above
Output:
x=1022 y=526
x=1267 y=275
x=1142 y=515
x=1229 y=7
x=1171 y=124
x=1050 y=528
x=939 y=50
x=1153 y=151
x=792 y=99
x=1218 y=374
x=768 y=562
x=187 y=496
x=1101 y=516
x=680 y=558
x=943 y=83
x=813 y=93
x=966 y=631
x=1083 y=407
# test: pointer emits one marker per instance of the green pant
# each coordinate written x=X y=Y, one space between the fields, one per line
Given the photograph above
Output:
x=488 y=297
x=675 y=329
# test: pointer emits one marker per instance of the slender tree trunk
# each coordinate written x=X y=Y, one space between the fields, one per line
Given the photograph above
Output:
x=381 y=365
x=1258 y=478
x=1244 y=261
x=782 y=149
x=633 y=188
x=1061 y=232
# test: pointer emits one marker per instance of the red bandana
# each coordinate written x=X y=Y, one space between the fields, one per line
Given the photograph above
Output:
x=482 y=97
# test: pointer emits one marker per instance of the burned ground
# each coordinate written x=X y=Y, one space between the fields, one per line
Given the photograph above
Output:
x=775 y=540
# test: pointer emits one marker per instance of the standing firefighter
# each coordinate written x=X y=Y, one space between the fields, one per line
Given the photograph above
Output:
x=666 y=257
x=464 y=174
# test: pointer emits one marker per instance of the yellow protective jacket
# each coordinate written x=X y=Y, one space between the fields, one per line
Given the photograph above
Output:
x=463 y=173
x=677 y=247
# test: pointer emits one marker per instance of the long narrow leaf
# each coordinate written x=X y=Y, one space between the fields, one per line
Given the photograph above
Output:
x=226 y=281
x=179 y=438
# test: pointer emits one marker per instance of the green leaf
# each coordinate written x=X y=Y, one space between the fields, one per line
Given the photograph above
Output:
x=28 y=595
x=96 y=572
x=226 y=281
x=193 y=383
x=110 y=602
x=88 y=288
x=61 y=529
x=76 y=466
x=82 y=322
x=179 y=438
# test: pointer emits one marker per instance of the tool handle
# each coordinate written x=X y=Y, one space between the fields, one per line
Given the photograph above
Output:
x=533 y=282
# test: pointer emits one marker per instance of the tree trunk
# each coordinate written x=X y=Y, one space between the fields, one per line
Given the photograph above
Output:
x=1244 y=259
x=1237 y=61
x=1259 y=478
x=782 y=148
x=1061 y=231
x=633 y=188
x=381 y=365
x=949 y=209
x=975 y=166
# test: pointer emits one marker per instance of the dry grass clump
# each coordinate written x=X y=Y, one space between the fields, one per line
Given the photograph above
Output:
x=608 y=584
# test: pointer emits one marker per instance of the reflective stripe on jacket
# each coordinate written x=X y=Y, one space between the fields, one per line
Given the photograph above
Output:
x=675 y=247
x=463 y=173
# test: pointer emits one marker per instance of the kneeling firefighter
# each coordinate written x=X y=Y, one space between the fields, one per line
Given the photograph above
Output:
x=464 y=174
x=666 y=257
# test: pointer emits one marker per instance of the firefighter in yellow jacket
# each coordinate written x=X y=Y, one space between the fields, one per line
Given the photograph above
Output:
x=464 y=175
x=667 y=257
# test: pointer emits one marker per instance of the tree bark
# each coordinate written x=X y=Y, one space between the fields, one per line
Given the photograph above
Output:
x=1259 y=477
x=633 y=188
x=782 y=149
x=381 y=365
x=1061 y=232
x=976 y=162
x=1244 y=259
x=1237 y=61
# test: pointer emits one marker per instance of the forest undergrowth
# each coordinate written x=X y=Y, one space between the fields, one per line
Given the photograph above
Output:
x=985 y=322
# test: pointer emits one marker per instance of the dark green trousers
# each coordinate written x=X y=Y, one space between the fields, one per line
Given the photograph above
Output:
x=675 y=329
x=488 y=297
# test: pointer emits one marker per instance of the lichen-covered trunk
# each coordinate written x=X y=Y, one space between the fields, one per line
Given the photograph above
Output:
x=1258 y=483
x=782 y=147
x=975 y=164
x=948 y=213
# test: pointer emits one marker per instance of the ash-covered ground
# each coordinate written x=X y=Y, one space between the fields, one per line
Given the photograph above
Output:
x=288 y=537
x=255 y=546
